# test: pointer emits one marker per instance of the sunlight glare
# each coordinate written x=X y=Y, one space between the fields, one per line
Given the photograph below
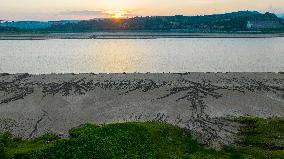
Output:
x=117 y=13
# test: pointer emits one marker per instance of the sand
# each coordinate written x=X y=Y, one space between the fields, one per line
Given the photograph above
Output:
x=204 y=103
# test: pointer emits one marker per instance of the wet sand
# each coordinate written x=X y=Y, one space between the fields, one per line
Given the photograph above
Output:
x=133 y=35
x=204 y=103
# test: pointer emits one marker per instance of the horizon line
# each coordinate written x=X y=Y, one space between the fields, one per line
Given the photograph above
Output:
x=103 y=18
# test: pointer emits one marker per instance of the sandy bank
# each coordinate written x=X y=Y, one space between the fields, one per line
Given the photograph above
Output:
x=32 y=105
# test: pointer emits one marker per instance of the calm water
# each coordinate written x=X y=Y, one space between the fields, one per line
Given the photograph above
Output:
x=142 y=55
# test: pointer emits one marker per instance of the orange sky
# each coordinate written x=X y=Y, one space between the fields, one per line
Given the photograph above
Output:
x=87 y=9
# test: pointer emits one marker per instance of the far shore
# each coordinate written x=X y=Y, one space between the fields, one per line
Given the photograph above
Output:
x=133 y=35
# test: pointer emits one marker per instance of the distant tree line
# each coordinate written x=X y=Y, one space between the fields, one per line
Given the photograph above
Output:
x=236 y=21
x=8 y=29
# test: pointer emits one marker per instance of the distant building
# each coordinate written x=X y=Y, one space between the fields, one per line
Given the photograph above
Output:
x=268 y=24
x=249 y=25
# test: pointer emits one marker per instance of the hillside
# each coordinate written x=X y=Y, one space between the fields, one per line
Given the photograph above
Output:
x=228 y=22
x=236 y=21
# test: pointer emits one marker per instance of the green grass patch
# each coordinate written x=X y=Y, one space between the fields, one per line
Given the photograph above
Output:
x=260 y=138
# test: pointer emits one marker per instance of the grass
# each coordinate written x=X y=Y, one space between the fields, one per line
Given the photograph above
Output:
x=265 y=136
x=260 y=138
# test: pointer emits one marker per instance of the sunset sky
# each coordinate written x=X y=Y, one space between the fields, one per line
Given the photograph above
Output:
x=87 y=9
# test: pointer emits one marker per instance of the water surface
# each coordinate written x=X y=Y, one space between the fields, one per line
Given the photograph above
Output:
x=142 y=55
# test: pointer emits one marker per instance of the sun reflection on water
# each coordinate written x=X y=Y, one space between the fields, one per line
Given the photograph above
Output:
x=118 y=56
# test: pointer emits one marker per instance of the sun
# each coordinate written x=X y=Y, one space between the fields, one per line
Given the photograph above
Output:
x=117 y=14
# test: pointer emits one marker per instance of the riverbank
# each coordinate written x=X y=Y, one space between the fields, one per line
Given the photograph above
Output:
x=204 y=103
x=133 y=35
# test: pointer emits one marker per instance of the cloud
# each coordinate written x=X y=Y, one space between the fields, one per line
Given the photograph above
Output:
x=88 y=13
x=83 y=13
x=119 y=13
